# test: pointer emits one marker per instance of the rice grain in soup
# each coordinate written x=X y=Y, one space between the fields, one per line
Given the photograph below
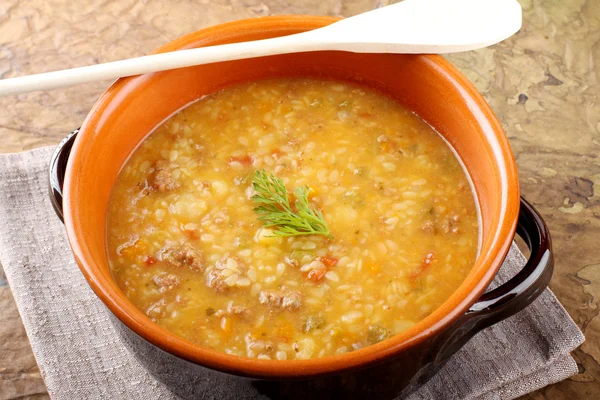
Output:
x=186 y=247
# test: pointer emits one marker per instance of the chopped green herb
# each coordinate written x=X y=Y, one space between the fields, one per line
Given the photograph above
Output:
x=312 y=322
x=275 y=211
x=298 y=255
x=376 y=334
x=353 y=198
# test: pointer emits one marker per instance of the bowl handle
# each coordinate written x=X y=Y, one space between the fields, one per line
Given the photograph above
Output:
x=514 y=295
x=57 y=169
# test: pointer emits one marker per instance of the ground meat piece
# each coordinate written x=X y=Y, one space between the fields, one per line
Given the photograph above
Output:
x=214 y=279
x=181 y=300
x=161 y=178
x=285 y=300
x=450 y=224
x=227 y=262
x=428 y=226
x=157 y=310
x=184 y=256
x=228 y=272
x=165 y=281
x=239 y=310
x=317 y=274
x=220 y=218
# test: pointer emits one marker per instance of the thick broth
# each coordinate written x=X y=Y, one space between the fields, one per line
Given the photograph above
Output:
x=186 y=247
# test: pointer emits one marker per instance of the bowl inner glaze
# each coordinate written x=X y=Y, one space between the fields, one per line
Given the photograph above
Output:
x=426 y=84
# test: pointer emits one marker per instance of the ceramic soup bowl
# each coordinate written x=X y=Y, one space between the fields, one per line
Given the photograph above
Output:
x=426 y=84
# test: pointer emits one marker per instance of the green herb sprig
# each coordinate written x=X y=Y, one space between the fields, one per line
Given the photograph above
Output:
x=275 y=211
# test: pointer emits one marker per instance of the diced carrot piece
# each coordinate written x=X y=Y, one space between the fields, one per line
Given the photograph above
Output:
x=276 y=153
x=328 y=261
x=425 y=264
x=244 y=160
x=192 y=234
x=150 y=260
x=317 y=274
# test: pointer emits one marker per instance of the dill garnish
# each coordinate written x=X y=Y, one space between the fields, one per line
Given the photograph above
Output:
x=275 y=211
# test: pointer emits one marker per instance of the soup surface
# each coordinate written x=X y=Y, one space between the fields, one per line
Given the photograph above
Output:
x=187 y=248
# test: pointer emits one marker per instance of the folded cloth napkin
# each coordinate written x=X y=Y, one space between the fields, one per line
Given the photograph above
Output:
x=81 y=357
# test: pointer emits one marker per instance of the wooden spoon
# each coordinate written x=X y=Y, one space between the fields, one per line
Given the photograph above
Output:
x=412 y=26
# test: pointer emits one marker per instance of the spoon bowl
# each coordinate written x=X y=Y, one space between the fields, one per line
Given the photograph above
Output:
x=423 y=26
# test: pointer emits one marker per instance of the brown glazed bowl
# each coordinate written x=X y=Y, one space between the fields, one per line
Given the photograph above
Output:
x=428 y=85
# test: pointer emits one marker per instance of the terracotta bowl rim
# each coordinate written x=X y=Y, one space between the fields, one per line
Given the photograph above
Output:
x=430 y=326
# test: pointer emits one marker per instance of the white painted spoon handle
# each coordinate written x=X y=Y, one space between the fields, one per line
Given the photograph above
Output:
x=153 y=63
x=412 y=26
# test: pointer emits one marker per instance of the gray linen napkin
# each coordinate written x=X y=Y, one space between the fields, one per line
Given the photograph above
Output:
x=81 y=357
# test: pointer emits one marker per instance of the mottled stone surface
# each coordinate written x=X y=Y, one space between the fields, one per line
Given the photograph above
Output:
x=543 y=84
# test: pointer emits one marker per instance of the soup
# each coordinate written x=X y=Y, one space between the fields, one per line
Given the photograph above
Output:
x=291 y=219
